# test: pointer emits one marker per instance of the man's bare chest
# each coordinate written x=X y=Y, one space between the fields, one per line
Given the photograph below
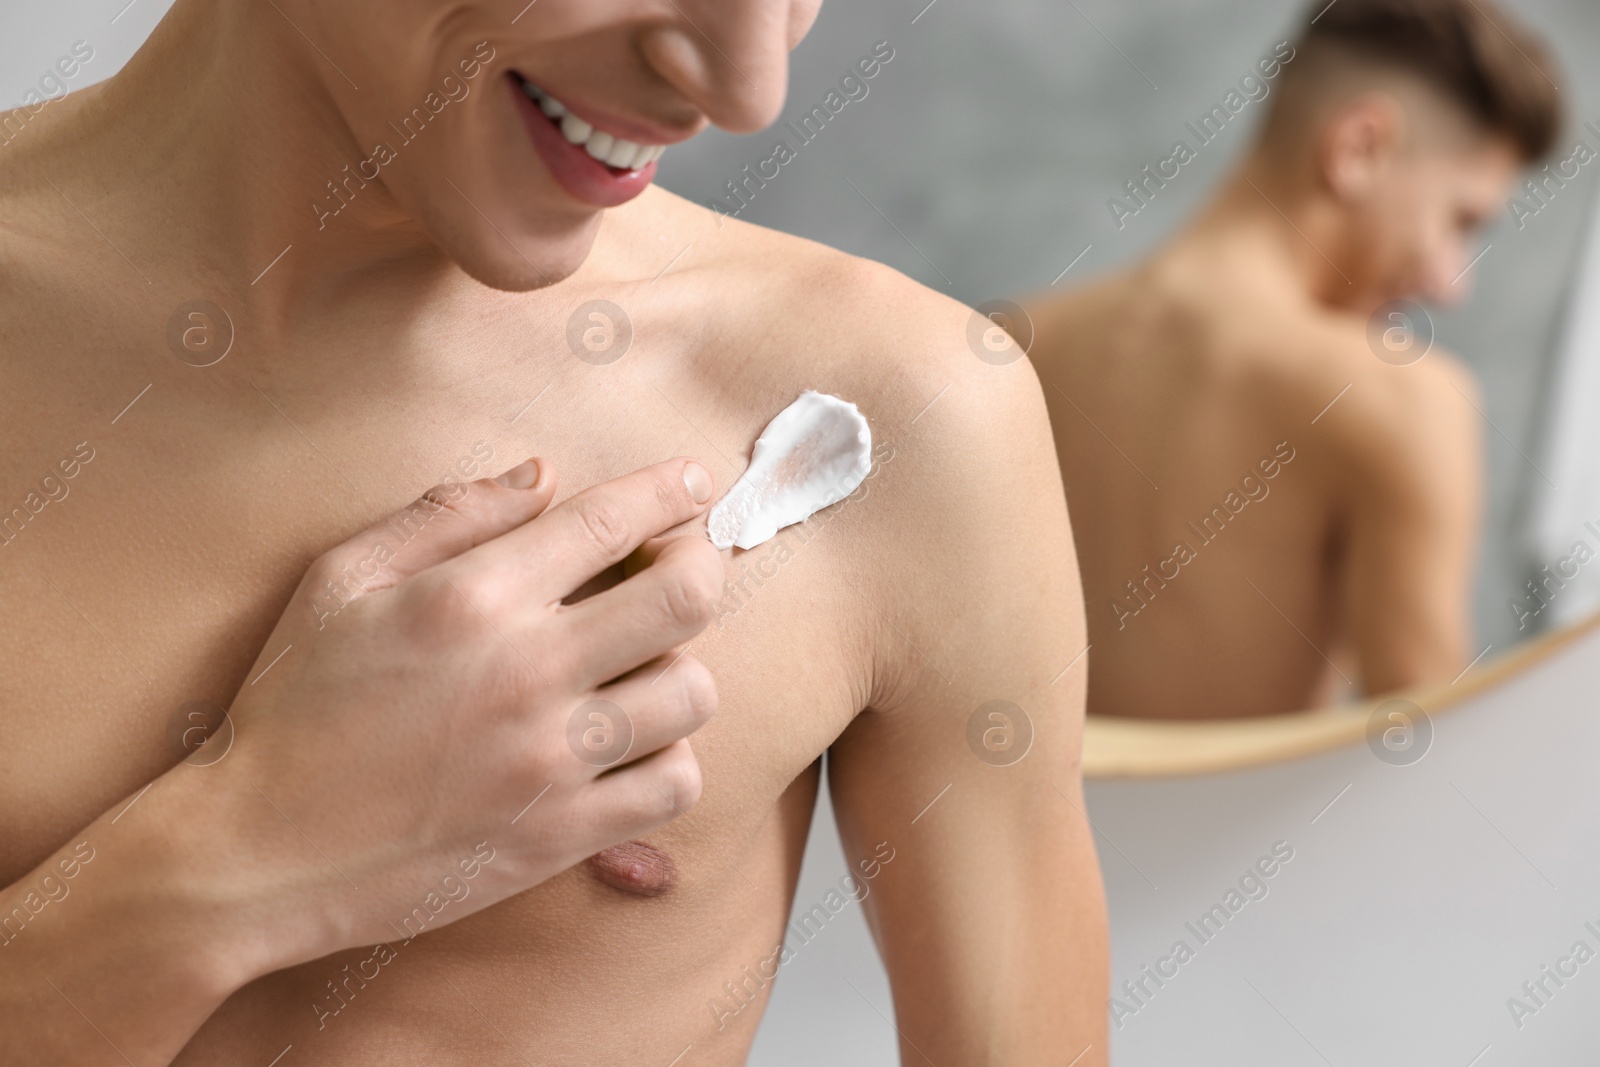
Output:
x=147 y=579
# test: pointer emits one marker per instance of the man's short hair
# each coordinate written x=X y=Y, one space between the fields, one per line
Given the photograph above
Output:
x=1478 y=56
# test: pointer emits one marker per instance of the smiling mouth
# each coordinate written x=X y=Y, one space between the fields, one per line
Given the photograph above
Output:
x=620 y=155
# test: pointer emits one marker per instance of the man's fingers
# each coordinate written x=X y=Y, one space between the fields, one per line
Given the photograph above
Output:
x=597 y=528
x=662 y=606
x=645 y=555
x=646 y=794
x=443 y=523
x=664 y=701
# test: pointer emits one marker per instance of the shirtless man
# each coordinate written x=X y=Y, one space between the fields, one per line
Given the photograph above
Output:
x=408 y=273
x=1276 y=501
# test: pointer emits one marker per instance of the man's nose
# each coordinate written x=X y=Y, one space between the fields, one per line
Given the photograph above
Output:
x=730 y=57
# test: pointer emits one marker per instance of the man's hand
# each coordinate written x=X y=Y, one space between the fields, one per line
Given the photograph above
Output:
x=428 y=731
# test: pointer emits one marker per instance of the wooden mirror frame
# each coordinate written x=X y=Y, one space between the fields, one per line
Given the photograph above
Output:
x=1126 y=747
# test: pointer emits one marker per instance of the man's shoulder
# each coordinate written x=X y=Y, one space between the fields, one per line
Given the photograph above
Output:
x=809 y=316
x=1395 y=374
x=1390 y=404
x=956 y=412
x=964 y=504
x=834 y=293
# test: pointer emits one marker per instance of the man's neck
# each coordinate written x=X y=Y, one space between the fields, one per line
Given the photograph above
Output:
x=1282 y=234
x=204 y=159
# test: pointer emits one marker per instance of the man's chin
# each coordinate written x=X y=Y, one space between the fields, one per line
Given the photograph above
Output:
x=522 y=265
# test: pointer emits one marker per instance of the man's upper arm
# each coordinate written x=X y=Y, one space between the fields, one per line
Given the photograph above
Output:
x=1413 y=514
x=990 y=914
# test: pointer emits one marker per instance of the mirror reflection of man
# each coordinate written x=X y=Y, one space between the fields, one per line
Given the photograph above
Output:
x=1269 y=517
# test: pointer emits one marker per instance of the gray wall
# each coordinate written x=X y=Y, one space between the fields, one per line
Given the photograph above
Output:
x=35 y=33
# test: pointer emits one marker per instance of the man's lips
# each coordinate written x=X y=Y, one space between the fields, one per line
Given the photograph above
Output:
x=642 y=131
x=593 y=165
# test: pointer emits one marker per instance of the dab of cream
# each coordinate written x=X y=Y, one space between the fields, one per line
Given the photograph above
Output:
x=812 y=455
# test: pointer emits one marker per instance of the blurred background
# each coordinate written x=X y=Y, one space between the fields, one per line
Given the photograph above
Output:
x=981 y=159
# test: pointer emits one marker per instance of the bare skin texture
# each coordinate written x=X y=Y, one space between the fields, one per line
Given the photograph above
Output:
x=1341 y=561
x=369 y=361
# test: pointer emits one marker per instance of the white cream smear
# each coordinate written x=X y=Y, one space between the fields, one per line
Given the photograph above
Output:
x=814 y=454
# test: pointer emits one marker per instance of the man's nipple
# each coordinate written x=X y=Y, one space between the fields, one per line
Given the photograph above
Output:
x=635 y=867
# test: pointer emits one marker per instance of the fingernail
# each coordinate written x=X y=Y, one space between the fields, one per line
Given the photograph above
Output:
x=522 y=476
x=698 y=481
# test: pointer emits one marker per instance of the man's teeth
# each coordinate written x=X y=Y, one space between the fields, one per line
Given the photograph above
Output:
x=612 y=151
